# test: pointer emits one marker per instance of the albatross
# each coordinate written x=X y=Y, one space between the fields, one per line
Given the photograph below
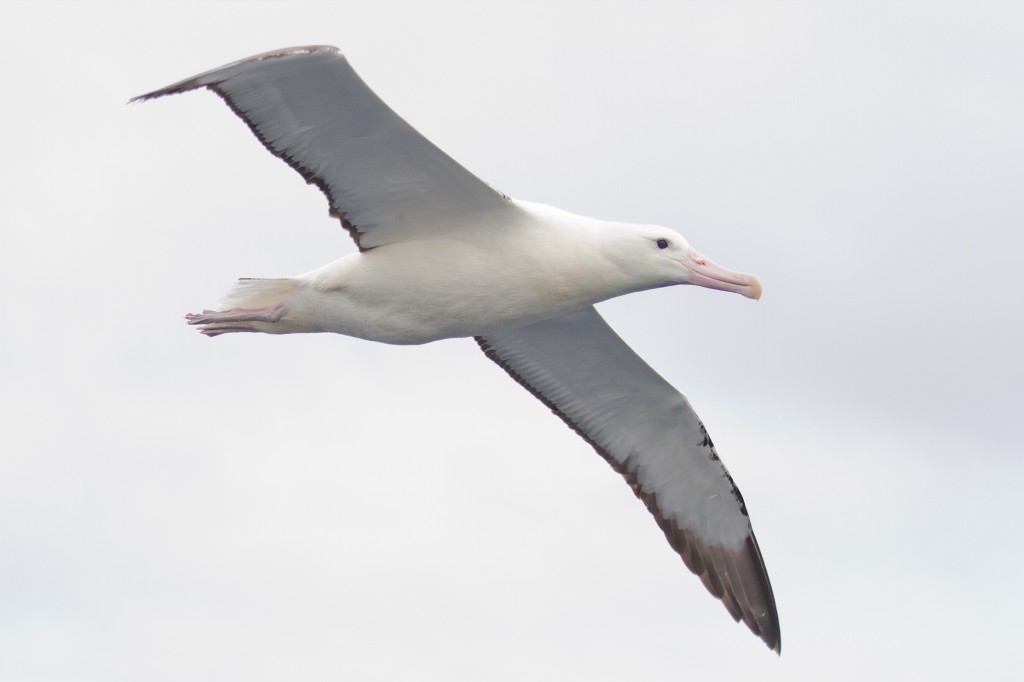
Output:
x=441 y=254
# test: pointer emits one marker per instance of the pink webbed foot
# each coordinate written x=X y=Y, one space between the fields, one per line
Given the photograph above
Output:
x=217 y=322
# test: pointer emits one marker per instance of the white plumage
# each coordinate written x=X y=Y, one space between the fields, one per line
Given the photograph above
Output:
x=443 y=255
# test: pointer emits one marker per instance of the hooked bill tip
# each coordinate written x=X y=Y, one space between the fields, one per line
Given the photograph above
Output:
x=755 y=289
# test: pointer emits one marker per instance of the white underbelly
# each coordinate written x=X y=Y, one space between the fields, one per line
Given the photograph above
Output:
x=428 y=316
x=421 y=299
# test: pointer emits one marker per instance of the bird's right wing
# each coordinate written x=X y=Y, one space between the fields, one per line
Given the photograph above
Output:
x=383 y=180
x=580 y=368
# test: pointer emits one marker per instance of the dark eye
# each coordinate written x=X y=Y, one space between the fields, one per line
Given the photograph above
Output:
x=662 y=243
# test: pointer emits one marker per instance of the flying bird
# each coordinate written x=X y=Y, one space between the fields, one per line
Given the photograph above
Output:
x=441 y=254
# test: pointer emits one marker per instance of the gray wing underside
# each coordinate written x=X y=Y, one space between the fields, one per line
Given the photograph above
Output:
x=580 y=368
x=383 y=180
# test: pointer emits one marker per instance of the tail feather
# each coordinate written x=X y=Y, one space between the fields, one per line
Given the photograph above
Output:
x=259 y=292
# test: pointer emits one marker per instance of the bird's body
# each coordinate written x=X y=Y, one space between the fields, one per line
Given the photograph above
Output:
x=526 y=264
x=443 y=255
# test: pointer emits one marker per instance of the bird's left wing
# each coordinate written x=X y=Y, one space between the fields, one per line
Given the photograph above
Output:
x=580 y=368
x=383 y=180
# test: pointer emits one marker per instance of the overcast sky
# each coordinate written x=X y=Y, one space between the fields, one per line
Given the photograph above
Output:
x=323 y=508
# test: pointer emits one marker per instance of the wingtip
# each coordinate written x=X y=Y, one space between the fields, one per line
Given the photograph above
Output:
x=204 y=79
x=778 y=634
x=772 y=638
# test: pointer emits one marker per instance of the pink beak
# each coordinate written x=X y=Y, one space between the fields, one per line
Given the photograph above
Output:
x=704 y=272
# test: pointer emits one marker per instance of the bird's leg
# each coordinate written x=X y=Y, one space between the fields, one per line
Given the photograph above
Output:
x=216 y=322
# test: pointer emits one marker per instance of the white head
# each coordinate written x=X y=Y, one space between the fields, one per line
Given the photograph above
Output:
x=653 y=256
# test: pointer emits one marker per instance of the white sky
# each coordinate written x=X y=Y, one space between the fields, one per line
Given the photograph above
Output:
x=322 y=508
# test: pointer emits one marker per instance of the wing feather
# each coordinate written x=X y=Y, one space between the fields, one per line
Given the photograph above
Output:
x=383 y=180
x=647 y=431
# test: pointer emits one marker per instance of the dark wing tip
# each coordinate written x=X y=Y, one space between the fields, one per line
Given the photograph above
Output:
x=737 y=577
x=209 y=77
